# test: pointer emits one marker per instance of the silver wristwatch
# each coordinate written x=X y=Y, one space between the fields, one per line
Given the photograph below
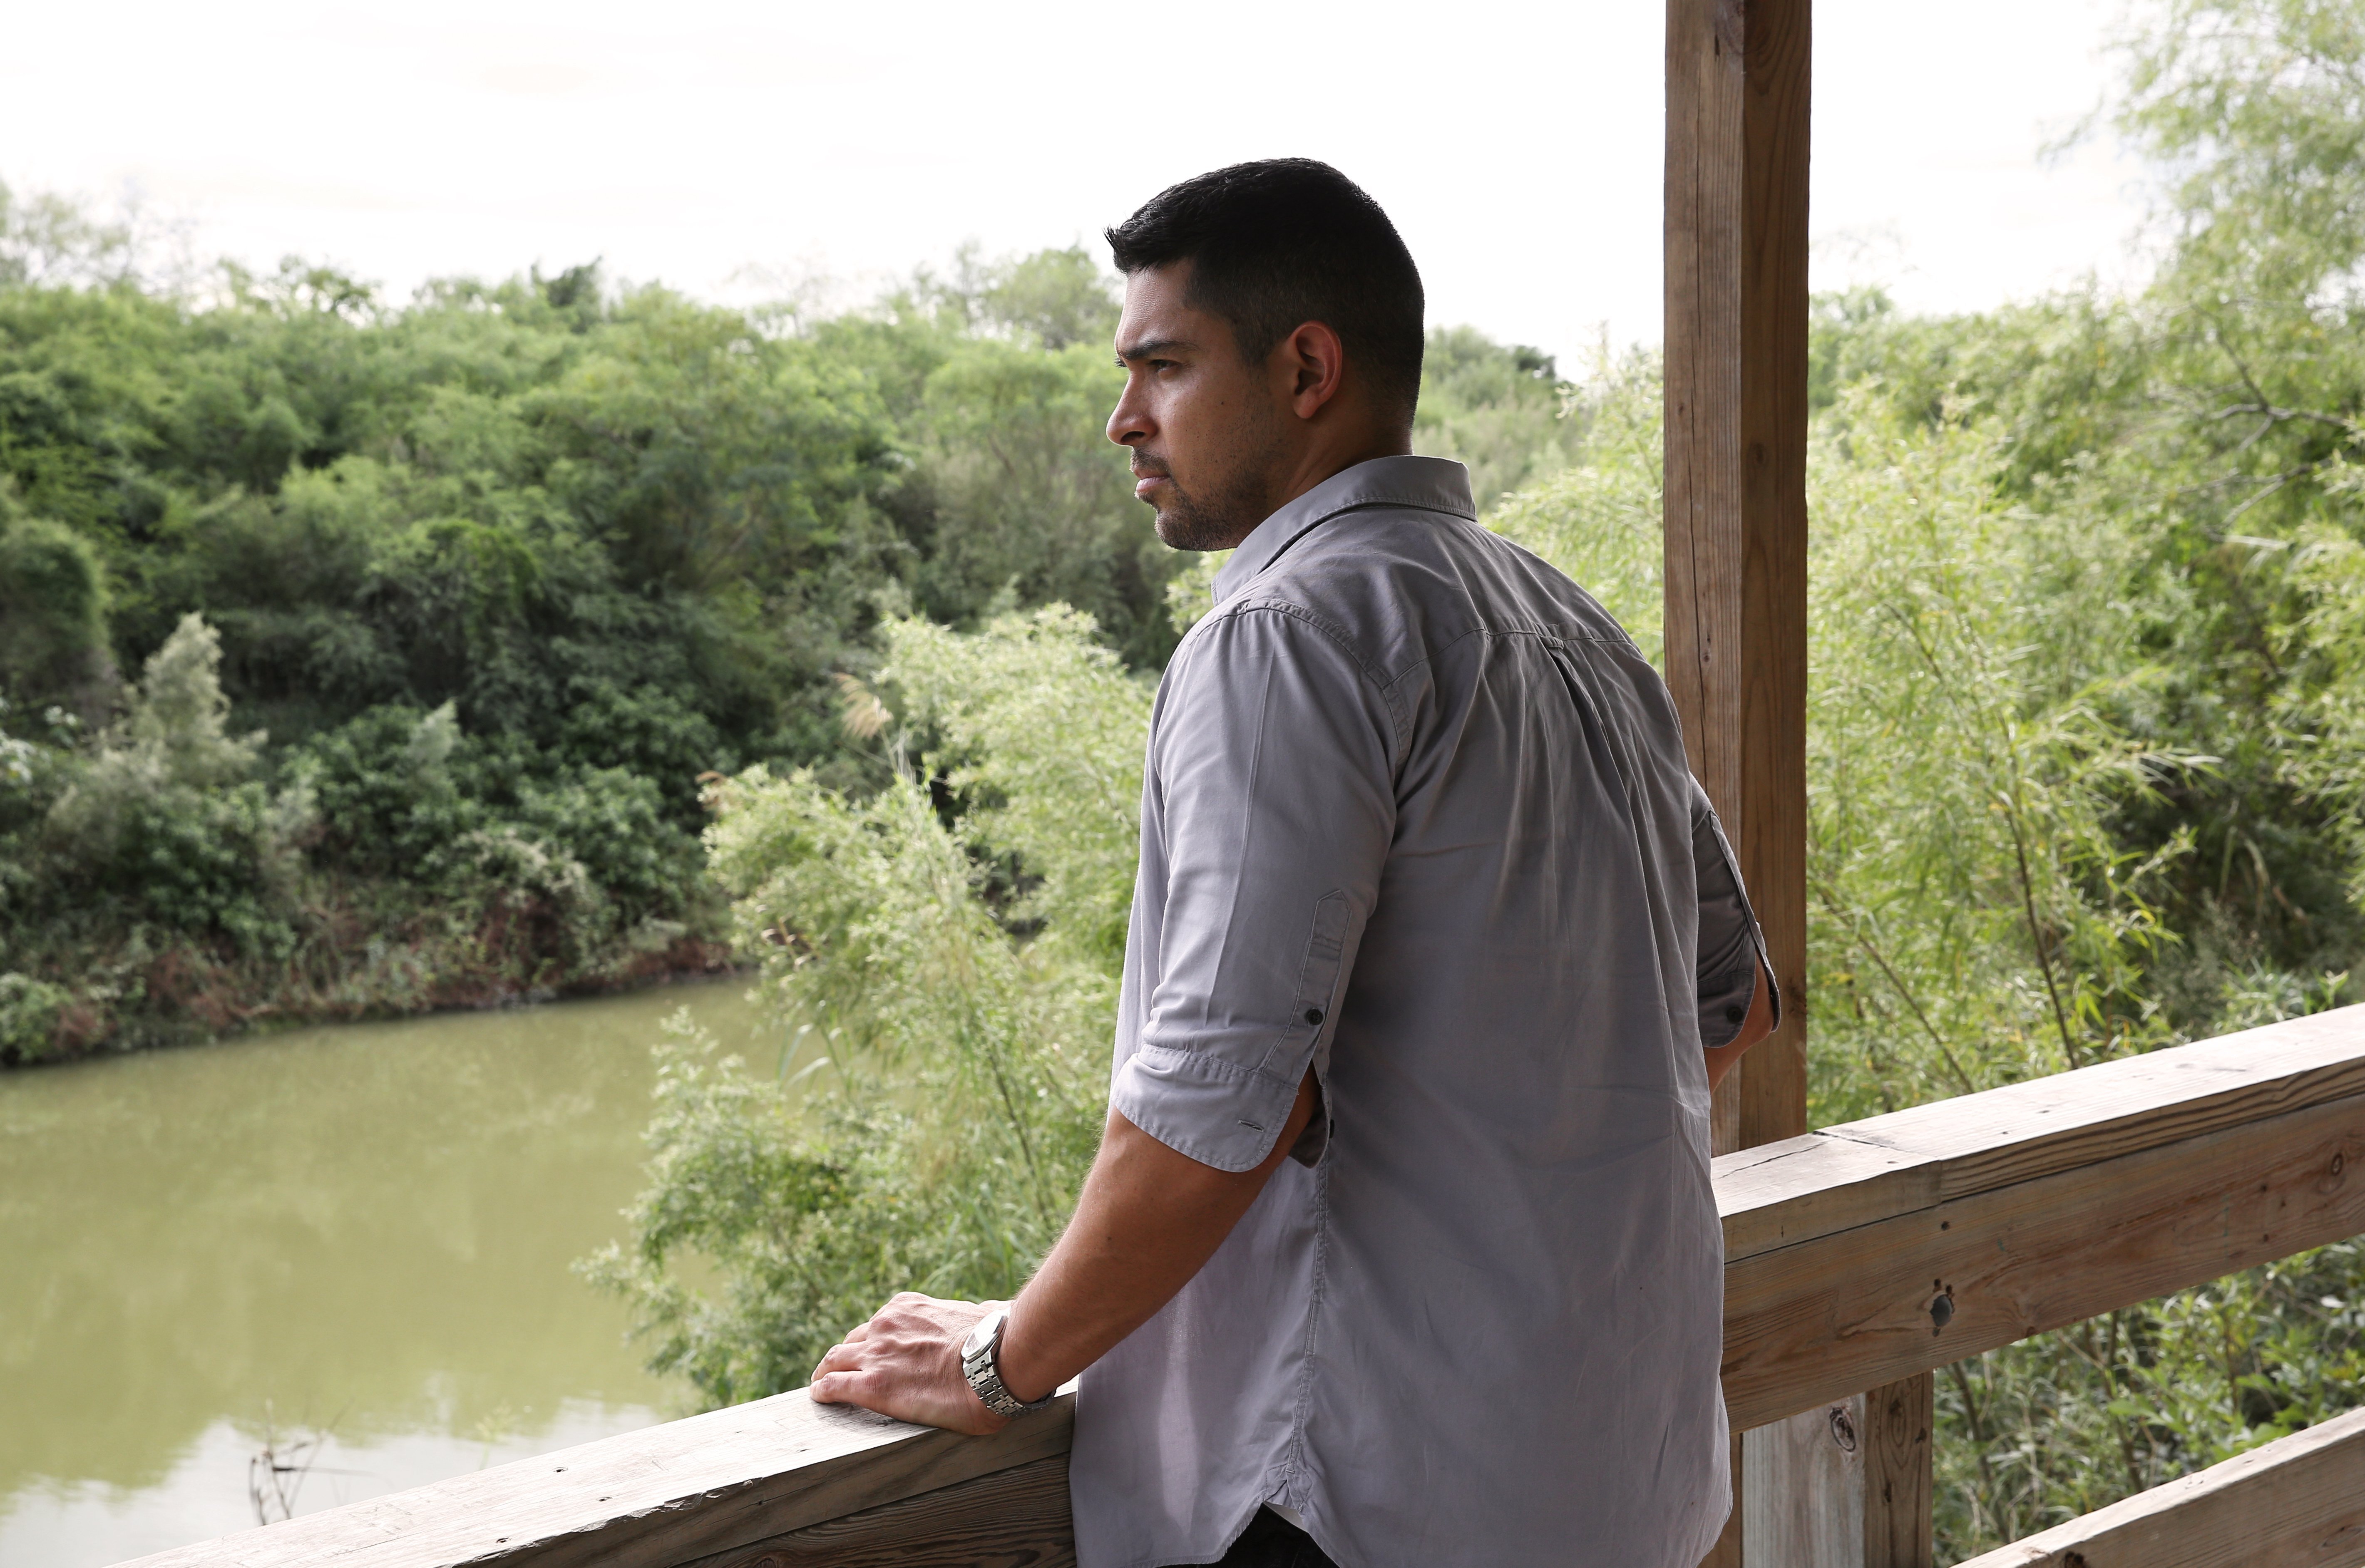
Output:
x=980 y=1352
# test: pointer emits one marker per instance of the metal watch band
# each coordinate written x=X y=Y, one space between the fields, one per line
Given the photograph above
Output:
x=979 y=1355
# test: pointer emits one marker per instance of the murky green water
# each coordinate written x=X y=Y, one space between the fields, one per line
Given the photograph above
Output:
x=363 y=1229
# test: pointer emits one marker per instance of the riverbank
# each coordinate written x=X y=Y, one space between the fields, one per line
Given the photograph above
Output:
x=362 y=1234
x=147 y=989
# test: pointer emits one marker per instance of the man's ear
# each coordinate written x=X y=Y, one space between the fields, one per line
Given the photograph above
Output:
x=1315 y=363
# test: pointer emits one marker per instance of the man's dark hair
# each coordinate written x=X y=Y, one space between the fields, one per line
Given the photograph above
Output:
x=1281 y=242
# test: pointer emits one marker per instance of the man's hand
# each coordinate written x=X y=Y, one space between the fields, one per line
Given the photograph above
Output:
x=906 y=1363
x=1755 y=1028
x=1146 y=1221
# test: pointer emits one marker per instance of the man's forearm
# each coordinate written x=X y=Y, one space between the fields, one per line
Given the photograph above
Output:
x=1146 y=1221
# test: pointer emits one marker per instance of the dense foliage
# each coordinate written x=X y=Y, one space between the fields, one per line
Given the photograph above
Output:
x=932 y=1113
x=481 y=585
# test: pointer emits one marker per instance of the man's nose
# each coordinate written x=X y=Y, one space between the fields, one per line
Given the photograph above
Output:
x=1129 y=423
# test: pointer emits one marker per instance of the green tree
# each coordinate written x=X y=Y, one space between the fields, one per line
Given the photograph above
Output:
x=939 y=1141
x=52 y=617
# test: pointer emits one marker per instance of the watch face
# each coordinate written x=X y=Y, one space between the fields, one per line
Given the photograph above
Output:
x=980 y=1335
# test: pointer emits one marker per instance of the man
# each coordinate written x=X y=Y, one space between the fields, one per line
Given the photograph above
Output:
x=1400 y=1248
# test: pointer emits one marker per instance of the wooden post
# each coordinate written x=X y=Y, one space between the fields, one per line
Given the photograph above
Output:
x=1736 y=478
x=1736 y=652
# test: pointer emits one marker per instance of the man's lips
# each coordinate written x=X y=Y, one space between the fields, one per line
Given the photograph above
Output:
x=1148 y=479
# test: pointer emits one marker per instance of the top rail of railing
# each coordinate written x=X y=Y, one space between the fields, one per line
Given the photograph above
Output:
x=1855 y=1256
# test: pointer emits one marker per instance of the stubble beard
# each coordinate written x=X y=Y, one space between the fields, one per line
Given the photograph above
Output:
x=1185 y=522
x=1234 y=503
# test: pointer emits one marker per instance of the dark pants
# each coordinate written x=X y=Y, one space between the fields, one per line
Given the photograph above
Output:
x=1271 y=1542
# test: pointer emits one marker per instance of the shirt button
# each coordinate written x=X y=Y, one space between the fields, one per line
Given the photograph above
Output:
x=1314 y=1015
x=1735 y=1014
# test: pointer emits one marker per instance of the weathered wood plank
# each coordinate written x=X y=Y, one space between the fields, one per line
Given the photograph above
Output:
x=1735 y=502
x=1013 y=1518
x=1808 y=1323
x=1703 y=245
x=1801 y=1490
x=1846 y=1483
x=2297 y=1502
x=1898 y=1419
x=1783 y=1193
x=1772 y=836
x=648 y=1499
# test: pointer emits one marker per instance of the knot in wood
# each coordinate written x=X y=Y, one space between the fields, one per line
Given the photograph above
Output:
x=1729 y=31
x=1941 y=1310
x=1842 y=1428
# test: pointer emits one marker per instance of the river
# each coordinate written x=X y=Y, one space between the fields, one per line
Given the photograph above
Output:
x=362 y=1231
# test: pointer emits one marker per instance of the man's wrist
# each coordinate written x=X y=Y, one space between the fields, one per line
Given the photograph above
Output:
x=1021 y=1373
x=982 y=1365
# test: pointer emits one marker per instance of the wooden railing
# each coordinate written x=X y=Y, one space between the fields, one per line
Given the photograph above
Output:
x=1857 y=1259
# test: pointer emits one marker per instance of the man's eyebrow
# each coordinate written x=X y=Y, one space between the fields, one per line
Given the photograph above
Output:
x=1143 y=351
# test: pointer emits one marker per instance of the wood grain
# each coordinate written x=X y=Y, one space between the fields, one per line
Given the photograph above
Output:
x=1853 y=1174
x=2297 y=1502
x=1898 y=1419
x=1735 y=502
x=1735 y=498
x=1772 y=834
x=1807 y=1324
x=1013 y=1518
x=1802 y=1490
x=649 y=1499
x=1844 y=1483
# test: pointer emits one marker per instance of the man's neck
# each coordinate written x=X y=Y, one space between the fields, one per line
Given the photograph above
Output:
x=1320 y=465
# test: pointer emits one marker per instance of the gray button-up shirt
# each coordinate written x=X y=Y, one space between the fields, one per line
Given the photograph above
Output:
x=1416 y=814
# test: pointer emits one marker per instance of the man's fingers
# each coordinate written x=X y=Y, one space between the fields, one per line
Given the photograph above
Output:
x=897 y=1364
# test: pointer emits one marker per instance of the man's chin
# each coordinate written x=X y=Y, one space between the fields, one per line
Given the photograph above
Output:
x=1184 y=527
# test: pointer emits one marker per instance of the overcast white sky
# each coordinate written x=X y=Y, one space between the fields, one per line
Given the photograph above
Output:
x=1517 y=146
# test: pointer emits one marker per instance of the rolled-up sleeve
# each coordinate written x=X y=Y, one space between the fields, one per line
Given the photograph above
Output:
x=1732 y=946
x=1272 y=765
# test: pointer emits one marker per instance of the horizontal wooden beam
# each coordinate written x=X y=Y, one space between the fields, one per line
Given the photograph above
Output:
x=2298 y=1502
x=2043 y=1225
x=1782 y=1194
x=2010 y=1211
x=686 y=1490
x=1012 y=1518
x=1808 y=1323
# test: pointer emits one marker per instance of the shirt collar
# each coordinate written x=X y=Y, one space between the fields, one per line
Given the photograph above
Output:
x=1427 y=484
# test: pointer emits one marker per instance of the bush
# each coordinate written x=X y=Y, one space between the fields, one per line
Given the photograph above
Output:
x=941 y=1088
x=52 y=615
x=161 y=821
x=388 y=801
x=30 y=1012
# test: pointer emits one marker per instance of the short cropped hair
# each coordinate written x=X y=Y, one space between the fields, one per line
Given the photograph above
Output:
x=1277 y=244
